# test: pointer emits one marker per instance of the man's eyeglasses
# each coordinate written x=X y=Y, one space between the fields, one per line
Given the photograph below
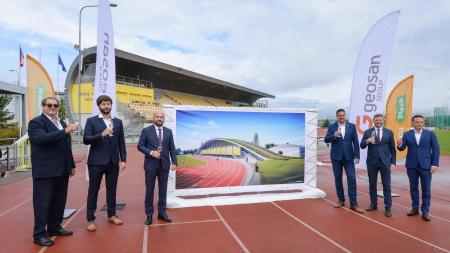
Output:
x=52 y=105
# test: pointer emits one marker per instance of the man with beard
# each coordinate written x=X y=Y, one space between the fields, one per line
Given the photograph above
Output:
x=156 y=142
x=380 y=157
x=344 y=155
x=107 y=153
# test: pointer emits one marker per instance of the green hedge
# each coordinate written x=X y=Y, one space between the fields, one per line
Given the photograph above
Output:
x=8 y=133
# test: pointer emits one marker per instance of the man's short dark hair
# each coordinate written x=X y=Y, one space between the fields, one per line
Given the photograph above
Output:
x=416 y=116
x=44 y=101
x=103 y=98
x=378 y=115
x=340 y=110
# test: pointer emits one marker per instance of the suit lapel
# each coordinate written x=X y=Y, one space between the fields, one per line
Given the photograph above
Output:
x=49 y=123
x=153 y=134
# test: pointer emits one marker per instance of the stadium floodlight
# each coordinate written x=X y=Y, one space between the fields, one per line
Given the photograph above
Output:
x=80 y=59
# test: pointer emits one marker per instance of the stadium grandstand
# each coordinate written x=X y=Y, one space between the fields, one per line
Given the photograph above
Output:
x=145 y=85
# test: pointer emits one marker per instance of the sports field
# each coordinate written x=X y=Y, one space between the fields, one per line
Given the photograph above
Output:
x=444 y=141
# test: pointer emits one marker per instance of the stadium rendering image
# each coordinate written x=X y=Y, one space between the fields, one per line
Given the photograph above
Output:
x=145 y=85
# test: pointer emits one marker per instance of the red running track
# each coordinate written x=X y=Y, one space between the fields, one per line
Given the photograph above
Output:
x=215 y=173
x=309 y=225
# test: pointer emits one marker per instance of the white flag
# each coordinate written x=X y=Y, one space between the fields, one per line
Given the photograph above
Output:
x=370 y=75
x=105 y=70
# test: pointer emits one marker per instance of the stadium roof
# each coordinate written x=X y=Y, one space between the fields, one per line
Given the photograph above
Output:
x=168 y=77
x=9 y=88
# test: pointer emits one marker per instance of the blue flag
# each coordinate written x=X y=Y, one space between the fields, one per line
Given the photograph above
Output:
x=60 y=62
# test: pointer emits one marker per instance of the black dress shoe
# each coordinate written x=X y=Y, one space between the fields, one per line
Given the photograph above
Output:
x=426 y=217
x=387 y=212
x=149 y=220
x=413 y=212
x=372 y=208
x=164 y=217
x=44 y=242
x=61 y=232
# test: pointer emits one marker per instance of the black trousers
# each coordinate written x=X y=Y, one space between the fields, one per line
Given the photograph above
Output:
x=150 y=177
x=96 y=172
x=49 y=201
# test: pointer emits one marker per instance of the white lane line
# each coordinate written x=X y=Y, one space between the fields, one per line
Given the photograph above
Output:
x=394 y=229
x=144 y=241
x=43 y=249
x=312 y=229
x=231 y=231
x=185 y=222
x=15 y=207
x=396 y=204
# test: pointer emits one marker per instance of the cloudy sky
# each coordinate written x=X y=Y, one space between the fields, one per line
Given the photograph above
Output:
x=303 y=52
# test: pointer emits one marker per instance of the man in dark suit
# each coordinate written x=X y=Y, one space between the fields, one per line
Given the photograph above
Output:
x=156 y=142
x=422 y=160
x=380 y=157
x=344 y=154
x=52 y=163
x=107 y=153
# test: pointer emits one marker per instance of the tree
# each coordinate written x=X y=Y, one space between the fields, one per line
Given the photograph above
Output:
x=6 y=117
x=326 y=123
x=62 y=110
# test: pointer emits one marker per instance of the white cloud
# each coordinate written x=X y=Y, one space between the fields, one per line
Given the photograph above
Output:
x=300 y=51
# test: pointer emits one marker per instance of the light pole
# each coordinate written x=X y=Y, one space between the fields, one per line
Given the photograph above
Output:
x=80 y=63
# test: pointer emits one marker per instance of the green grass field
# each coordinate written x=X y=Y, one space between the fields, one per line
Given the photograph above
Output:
x=281 y=171
x=444 y=141
x=189 y=161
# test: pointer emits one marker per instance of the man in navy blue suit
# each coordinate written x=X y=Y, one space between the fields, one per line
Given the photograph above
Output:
x=422 y=160
x=52 y=163
x=157 y=144
x=380 y=157
x=107 y=153
x=344 y=154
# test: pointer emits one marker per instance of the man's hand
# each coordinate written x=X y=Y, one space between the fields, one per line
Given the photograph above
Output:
x=70 y=128
x=356 y=160
x=107 y=132
x=155 y=154
x=123 y=165
x=337 y=134
x=433 y=169
x=371 y=140
x=399 y=141
x=72 y=172
x=392 y=168
x=173 y=167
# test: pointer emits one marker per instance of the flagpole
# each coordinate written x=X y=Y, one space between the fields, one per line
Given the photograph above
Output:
x=57 y=78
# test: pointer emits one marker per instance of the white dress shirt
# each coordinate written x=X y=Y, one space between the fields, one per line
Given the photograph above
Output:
x=107 y=121
x=417 y=135
x=58 y=125
x=342 y=129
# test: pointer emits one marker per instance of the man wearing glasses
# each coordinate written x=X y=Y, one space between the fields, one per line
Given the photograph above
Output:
x=52 y=162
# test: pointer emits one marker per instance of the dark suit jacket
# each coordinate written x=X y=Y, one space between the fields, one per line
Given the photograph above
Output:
x=149 y=142
x=51 y=149
x=104 y=149
x=385 y=150
x=346 y=148
x=426 y=154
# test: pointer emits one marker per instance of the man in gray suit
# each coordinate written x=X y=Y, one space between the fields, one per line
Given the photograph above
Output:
x=380 y=157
